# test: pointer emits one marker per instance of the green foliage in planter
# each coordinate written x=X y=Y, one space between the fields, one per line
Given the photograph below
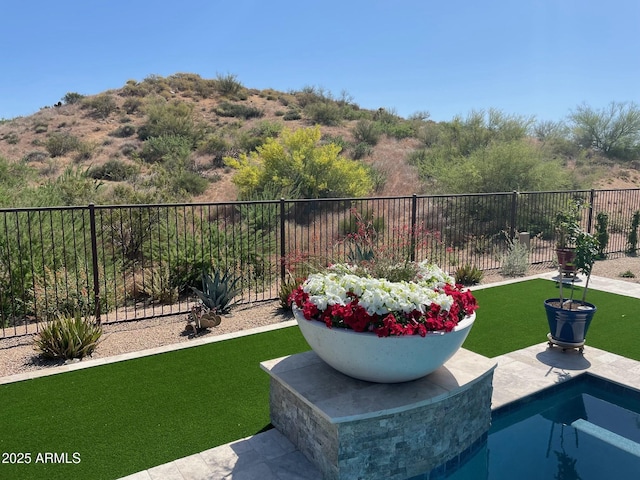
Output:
x=468 y=275
x=218 y=292
x=68 y=337
x=602 y=235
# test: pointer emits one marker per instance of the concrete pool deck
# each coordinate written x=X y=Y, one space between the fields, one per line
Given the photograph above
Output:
x=270 y=456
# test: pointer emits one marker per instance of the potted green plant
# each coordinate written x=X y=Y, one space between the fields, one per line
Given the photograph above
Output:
x=567 y=228
x=568 y=318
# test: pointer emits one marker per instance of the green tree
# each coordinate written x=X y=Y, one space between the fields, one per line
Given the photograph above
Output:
x=296 y=164
x=613 y=130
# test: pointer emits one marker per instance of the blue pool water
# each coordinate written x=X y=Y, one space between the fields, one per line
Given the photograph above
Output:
x=586 y=429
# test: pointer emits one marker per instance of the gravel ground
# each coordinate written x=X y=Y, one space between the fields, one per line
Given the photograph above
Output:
x=17 y=354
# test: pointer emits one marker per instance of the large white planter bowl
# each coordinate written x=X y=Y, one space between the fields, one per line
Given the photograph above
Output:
x=365 y=356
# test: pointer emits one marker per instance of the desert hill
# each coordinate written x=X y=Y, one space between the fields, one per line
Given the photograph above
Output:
x=109 y=138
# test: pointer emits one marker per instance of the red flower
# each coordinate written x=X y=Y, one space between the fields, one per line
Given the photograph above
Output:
x=353 y=316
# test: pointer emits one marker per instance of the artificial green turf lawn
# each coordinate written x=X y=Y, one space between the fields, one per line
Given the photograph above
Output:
x=129 y=416
x=512 y=317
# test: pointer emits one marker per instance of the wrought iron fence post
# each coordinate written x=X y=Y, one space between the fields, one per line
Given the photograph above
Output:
x=412 y=233
x=283 y=271
x=94 y=261
x=514 y=215
x=592 y=196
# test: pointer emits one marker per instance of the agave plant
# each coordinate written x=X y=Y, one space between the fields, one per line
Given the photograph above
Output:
x=68 y=337
x=218 y=292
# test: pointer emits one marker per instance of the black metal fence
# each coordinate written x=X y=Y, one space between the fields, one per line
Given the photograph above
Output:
x=129 y=262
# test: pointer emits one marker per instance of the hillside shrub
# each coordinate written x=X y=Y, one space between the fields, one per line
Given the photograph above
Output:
x=171 y=119
x=11 y=138
x=238 y=110
x=328 y=114
x=246 y=142
x=295 y=163
x=101 y=106
x=366 y=131
x=266 y=129
x=167 y=149
x=84 y=151
x=124 y=131
x=114 y=171
x=59 y=144
x=71 y=98
x=129 y=149
x=190 y=183
x=132 y=105
x=228 y=85
x=35 y=156
x=378 y=178
x=400 y=130
x=215 y=146
x=292 y=114
x=361 y=150
x=311 y=94
x=499 y=167
x=40 y=127
x=74 y=187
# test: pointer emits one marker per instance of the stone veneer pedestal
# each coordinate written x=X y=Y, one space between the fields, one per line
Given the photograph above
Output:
x=352 y=429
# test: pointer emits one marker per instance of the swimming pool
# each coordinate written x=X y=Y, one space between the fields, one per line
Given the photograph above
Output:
x=586 y=428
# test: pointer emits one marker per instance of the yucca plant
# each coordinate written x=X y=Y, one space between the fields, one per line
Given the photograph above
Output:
x=68 y=337
x=218 y=292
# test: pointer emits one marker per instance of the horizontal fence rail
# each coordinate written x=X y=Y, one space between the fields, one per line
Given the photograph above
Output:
x=130 y=262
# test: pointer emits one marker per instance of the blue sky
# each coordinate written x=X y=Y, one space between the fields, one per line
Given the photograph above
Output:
x=526 y=57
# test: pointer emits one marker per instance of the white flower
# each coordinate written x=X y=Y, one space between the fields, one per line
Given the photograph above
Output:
x=380 y=296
